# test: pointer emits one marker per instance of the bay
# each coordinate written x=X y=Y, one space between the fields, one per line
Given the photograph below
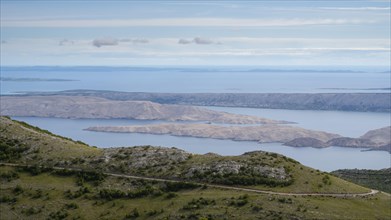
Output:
x=348 y=124
x=219 y=80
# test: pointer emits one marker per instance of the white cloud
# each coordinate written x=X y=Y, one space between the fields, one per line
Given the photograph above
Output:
x=66 y=42
x=357 y=8
x=198 y=40
x=135 y=40
x=185 y=22
x=307 y=42
x=235 y=50
x=184 y=41
x=140 y=41
x=106 y=41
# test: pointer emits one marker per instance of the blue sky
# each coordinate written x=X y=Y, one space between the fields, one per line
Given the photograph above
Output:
x=143 y=33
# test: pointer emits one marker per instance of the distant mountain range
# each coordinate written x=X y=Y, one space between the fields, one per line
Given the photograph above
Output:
x=361 y=102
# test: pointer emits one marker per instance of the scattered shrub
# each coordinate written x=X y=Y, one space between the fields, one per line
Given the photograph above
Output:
x=133 y=214
x=171 y=195
x=71 y=206
x=18 y=190
x=59 y=215
x=8 y=199
x=198 y=203
x=177 y=186
x=9 y=175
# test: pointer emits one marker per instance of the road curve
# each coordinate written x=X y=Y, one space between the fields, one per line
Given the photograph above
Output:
x=343 y=195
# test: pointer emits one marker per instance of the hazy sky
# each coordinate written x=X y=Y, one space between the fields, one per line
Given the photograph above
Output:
x=139 y=33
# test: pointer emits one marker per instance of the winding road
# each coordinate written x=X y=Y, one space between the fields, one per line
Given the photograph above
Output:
x=343 y=195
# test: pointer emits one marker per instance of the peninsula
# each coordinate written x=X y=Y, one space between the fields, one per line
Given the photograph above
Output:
x=95 y=107
x=263 y=133
x=378 y=139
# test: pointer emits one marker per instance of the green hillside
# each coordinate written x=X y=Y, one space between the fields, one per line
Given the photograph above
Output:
x=57 y=178
x=376 y=179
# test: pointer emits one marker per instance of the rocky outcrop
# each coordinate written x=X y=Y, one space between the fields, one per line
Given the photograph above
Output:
x=263 y=133
x=235 y=168
x=378 y=139
x=145 y=156
x=94 y=107
x=379 y=136
x=352 y=142
x=306 y=142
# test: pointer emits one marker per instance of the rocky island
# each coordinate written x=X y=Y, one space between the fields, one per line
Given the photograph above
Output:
x=95 y=107
x=205 y=123
x=378 y=139
x=263 y=133
x=289 y=135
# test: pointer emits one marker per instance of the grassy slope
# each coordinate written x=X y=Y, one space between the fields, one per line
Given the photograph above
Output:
x=44 y=148
x=90 y=206
x=376 y=179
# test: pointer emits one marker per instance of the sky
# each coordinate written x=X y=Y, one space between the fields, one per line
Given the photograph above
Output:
x=169 y=33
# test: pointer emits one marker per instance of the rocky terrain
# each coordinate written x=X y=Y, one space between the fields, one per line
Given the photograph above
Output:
x=378 y=139
x=24 y=144
x=46 y=176
x=94 y=107
x=20 y=142
x=364 y=102
x=306 y=142
x=289 y=135
x=263 y=133
x=380 y=136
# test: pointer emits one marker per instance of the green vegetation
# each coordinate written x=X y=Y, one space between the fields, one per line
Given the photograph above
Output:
x=43 y=131
x=375 y=179
x=11 y=149
x=23 y=143
x=259 y=170
x=33 y=201
x=63 y=179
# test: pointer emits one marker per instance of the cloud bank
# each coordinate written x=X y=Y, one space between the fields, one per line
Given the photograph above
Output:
x=198 y=40
x=107 y=41
x=135 y=40
x=183 y=22
x=64 y=42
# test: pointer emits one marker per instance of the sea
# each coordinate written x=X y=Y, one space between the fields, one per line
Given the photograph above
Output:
x=249 y=79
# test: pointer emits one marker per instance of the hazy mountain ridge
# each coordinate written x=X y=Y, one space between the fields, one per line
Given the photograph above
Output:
x=362 y=102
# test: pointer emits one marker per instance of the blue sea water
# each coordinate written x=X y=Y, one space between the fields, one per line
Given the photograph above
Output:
x=199 y=80
x=326 y=159
x=220 y=80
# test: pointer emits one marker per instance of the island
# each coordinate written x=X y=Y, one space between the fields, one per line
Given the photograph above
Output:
x=95 y=107
x=378 y=139
x=262 y=134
